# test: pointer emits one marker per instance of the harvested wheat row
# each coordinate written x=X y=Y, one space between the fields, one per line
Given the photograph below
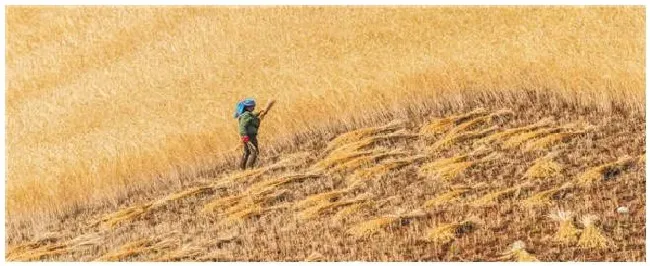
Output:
x=543 y=168
x=39 y=253
x=185 y=252
x=241 y=177
x=348 y=211
x=519 y=139
x=452 y=138
x=457 y=133
x=362 y=133
x=449 y=172
x=446 y=198
x=181 y=195
x=544 y=198
x=441 y=124
x=128 y=214
x=605 y=171
x=315 y=211
x=481 y=120
x=381 y=169
x=446 y=233
x=133 y=212
x=367 y=142
x=546 y=142
x=320 y=198
x=496 y=196
x=501 y=136
x=338 y=158
x=567 y=234
x=368 y=228
x=273 y=183
x=359 y=162
x=127 y=250
x=221 y=204
x=449 y=168
x=239 y=214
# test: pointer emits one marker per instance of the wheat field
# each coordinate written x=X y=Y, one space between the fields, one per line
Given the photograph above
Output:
x=391 y=124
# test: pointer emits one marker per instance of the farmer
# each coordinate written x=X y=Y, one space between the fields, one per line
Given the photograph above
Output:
x=249 y=122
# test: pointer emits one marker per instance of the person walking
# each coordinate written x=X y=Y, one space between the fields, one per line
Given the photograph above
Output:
x=249 y=123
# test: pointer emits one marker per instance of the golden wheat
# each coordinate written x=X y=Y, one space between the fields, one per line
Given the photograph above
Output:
x=605 y=171
x=505 y=134
x=591 y=236
x=366 y=160
x=438 y=125
x=96 y=154
x=370 y=227
x=381 y=169
x=445 y=198
x=542 y=168
x=320 y=198
x=362 y=133
x=567 y=234
x=550 y=140
x=496 y=196
x=519 y=139
x=348 y=211
x=317 y=210
x=518 y=253
x=544 y=198
x=445 y=233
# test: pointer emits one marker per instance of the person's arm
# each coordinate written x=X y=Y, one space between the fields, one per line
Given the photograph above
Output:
x=266 y=109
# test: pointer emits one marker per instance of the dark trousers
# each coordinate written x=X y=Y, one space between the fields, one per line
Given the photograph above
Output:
x=249 y=156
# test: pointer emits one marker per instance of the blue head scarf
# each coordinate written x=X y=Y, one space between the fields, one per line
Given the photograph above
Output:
x=239 y=108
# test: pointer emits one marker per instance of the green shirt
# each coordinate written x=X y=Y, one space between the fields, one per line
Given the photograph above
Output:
x=249 y=124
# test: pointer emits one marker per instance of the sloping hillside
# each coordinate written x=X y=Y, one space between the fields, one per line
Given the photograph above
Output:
x=521 y=183
x=105 y=103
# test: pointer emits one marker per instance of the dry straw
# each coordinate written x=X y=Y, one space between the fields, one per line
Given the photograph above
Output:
x=348 y=211
x=523 y=137
x=317 y=210
x=567 y=234
x=495 y=198
x=461 y=133
x=543 y=168
x=546 y=142
x=359 y=134
x=368 y=228
x=445 y=233
x=605 y=171
x=221 y=203
x=442 y=124
x=505 y=134
x=362 y=161
x=518 y=253
x=544 y=198
x=127 y=250
x=449 y=168
x=446 y=198
x=591 y=236
x=124 y=215
x=453 y=138
x=382 y=169
x=320 y=198
x=315 y=257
